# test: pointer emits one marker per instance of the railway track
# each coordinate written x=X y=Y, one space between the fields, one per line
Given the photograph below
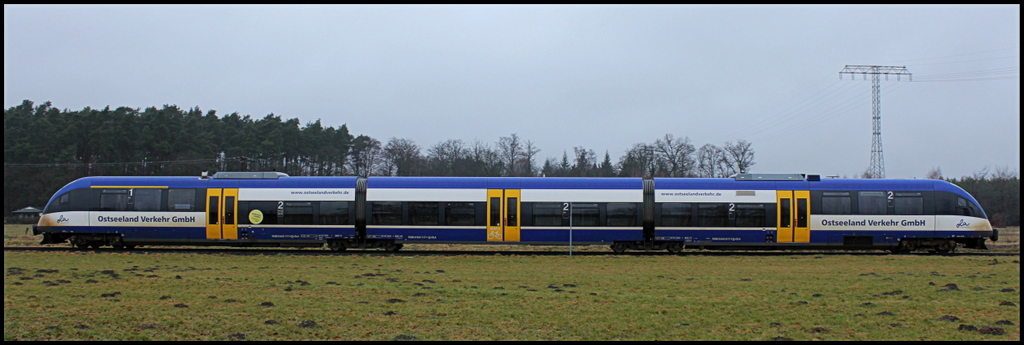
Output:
x=324 y=252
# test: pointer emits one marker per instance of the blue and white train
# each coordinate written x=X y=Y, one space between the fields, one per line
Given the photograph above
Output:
x=749 y=211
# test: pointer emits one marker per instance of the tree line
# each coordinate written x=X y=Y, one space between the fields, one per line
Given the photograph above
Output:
x=45 y=148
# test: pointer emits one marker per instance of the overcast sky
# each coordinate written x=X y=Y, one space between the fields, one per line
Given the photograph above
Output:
x=599 y=77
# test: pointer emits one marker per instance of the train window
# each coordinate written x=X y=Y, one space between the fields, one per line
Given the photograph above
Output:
x=961 y=207
x=214 y=215
x=148 y=199
x=785 y=213
x=751 y=215
x=82 y=199
x=423 y=213
x=297 y=213
x=114 y=200
x=967 y=208
x=676 y=214
x=975 y=211
x=620 y=214
x=713 y=215
x=181 y=199
x=267 y=208
x=836 y=203
x=63 y=203
x=229 y=210
x=387 y=213
x=871 y=203
x=801 y=212
x=908 y=203
x=460 y=213
x=495 y=211
x=513 y=215
x=547 y=214
x=334 y=213
x=585 y=215
x=945 y=203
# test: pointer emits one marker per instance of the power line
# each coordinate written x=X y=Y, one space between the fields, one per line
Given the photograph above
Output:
x=877 y=168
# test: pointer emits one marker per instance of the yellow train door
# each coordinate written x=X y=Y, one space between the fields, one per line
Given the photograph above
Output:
x=503 y=215
x=221 y=214
x=793 y=216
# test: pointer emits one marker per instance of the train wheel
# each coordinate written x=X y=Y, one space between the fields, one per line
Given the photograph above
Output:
x=619 y=248
x=79 y=242
x=337 y=246
x=393 y=247
x=675 y=248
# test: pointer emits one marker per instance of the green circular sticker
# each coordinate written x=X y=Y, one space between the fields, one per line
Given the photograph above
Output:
x=256 y=216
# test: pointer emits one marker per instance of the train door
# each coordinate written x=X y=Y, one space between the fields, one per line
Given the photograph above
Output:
x=793 y=216
x=503 y=215
x=221 y=214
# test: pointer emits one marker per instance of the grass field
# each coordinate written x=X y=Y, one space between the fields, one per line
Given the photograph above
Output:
x=126 y=296
x=20 y=235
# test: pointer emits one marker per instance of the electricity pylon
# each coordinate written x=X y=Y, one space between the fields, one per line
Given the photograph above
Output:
x=877 y=169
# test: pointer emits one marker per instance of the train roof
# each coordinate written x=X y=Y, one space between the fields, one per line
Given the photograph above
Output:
x=826 y=184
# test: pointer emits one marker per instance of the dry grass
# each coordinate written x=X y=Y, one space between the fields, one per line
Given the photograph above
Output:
x=123 y=296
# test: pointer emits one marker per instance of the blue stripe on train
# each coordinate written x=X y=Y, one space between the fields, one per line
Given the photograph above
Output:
x=199 y=233
x=561 y=235
x=428 y=234
x=721 y=235
x=817 y=236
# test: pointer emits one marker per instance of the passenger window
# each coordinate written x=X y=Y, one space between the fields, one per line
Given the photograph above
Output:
x=147 y=199
x=751 y=215
x=585 y=215
x=297 y=213
x=267 y=208
x=621 y=214
x=334 y=213
x=114 y=200
x=547 y=214
x=871 y=203
x=836 y=203
x=460 y=213
x=713 y=215
x=181 y=199
x=387 y=213
x=909 y=203
x=675 y=214
x=423 y=213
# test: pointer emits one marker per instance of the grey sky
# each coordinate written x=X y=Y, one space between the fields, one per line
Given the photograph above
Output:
x=599 y=77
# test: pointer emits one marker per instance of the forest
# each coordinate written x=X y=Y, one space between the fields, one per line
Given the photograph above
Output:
x=45 y=148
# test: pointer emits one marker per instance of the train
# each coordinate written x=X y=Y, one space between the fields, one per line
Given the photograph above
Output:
x=744 y=212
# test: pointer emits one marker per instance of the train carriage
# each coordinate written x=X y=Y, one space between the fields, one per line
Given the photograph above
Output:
x=749 y=211
x=503 y=210
x=793 y=212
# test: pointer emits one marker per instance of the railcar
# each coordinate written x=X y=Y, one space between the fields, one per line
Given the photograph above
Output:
x=749 y=211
